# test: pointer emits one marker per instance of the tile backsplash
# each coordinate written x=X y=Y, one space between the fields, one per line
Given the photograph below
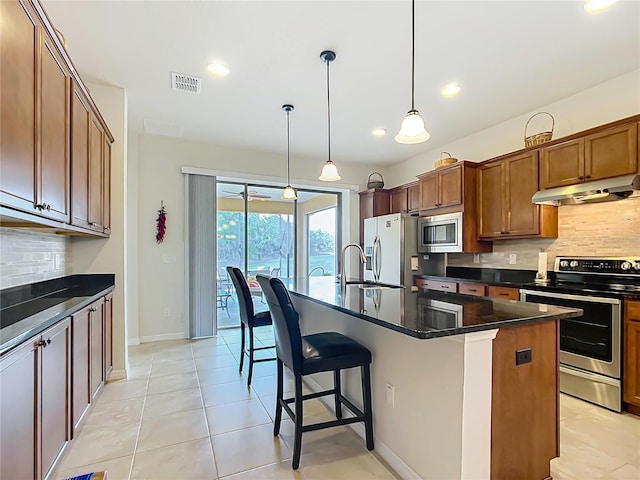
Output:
x=610 y=229
x=28 y=256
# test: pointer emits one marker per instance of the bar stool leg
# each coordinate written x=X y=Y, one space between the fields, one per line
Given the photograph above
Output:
x=242 y=327
x=250 y=356
x=279 y=397
x=366 y=398
x=338 y=387
x=297 y=443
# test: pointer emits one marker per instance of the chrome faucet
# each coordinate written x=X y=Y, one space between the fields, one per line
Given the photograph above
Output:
x=363 y=259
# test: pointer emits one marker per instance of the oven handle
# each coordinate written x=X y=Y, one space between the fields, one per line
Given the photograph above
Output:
x=590 y=376
x=581 y=298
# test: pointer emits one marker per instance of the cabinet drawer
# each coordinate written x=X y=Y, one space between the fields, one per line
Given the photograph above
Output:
x=632 y=310
x=440 y=286
x=477 y=289
x=506 y=293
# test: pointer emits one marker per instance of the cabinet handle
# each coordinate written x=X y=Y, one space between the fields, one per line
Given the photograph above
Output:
x=93 y=224
x=48 y=207
x=107 y=229
x=39 y=206
x=93 y=309
x=48 y=342
x=107 y=300
x=580 y=177
x=587 y=176
x=40 y=343
x=503 y=294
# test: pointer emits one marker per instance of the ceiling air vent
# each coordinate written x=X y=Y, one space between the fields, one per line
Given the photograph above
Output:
x=185 y=83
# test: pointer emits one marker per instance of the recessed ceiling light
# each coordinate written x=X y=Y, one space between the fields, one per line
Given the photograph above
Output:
x=450 y=90
x=218 y=69
x=593 y=6
x=379 y=132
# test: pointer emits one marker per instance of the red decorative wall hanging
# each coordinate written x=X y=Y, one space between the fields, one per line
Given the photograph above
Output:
x=161 y=223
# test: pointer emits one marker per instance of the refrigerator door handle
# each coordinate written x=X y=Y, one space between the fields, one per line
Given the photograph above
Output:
x=376 y=258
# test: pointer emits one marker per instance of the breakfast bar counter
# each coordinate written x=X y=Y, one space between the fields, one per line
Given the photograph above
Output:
x=462 y=386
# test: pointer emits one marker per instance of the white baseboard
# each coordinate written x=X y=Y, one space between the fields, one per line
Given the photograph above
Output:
x=381 y=449
x=117 y=375
x=163 y=337
x=133 y=341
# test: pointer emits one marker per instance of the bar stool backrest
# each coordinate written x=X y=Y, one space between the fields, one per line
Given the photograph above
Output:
x=244 y=295
x=285 y=321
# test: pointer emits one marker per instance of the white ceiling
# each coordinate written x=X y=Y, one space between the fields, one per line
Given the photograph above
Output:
x=510 y=57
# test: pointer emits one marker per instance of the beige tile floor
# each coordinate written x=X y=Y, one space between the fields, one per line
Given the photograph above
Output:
x=185 y=413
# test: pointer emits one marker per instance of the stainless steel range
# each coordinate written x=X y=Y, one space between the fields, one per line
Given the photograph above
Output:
x=590 y=345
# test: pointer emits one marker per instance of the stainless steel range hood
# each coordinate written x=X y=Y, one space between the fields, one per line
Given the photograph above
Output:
x=590 y=192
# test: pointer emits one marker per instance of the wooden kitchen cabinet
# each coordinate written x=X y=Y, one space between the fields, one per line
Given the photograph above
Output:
x=631 y=376
x=373 y=203
x=413 y=197
x=505 y=188
x=81 y=397
x=398 y=201
x=35 y=117
x=608 y=153
x=477 y=289
x=438 y=285
x=35 y=410
x=106 y=187
x=442 y=188
x=505 y=293
x=108 y=335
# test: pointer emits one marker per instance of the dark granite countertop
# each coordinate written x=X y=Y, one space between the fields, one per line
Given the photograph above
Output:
x=490 y=276
x=27 y=310
x=425 y=314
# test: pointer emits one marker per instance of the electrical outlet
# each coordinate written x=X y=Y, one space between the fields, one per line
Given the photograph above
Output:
x=57 y=261
x=391 y=395
x=476 y=258
x=512 y=259
x=523 y=356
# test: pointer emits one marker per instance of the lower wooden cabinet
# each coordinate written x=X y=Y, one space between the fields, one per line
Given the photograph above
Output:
x=631 y=376
x=506 y=293
x=96 y=351
x=35 y=410
x=438 y=285
x=477 y=289
x=108 y=335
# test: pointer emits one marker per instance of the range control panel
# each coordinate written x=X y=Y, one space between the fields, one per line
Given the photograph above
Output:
x=609 y=266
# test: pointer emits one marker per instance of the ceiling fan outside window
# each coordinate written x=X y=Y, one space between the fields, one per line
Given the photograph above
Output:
x=251 y=195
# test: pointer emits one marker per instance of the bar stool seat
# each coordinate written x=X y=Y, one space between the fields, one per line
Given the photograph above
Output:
x=304 y=355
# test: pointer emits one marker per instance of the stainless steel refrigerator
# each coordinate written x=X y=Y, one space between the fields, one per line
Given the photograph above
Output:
x=390 y=245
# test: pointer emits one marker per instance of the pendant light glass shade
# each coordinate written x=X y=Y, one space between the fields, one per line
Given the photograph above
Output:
x=289 y=192
x=412 y=129
x=329 y=171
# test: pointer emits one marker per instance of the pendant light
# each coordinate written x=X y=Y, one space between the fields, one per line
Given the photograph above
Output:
x=329 y=171
x=289 y=193
x=412 y=129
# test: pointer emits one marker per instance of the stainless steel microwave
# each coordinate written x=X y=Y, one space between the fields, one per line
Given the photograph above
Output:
x=440 y=233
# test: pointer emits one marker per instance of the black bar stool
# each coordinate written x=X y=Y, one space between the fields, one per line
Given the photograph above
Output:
x=320 y=352
x=248 y=320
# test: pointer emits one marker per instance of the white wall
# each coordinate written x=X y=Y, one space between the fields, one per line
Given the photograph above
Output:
x=98 y=255
x=613 y=100
x=132 y=240
x=161 y=285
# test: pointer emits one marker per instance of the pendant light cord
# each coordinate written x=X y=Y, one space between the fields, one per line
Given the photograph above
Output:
x=288 y=172
x=328 y=113
x=413 y=51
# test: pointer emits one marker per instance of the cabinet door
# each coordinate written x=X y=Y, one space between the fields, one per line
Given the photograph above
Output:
x=631 y=379
x=477 y=289
x=523 y=217
x=562 y=164
x=81 y=360
x=19 y=38
x=398 y=200
x=491 y=200
x=108 y=334
x=106 y=187
x=55 y=384
x=413 y=198
x=80 y=121
x=450 y=187
x=53 y=166
x=96 y=174
x=18 y=409
x=96 y=332
x=611 y=153
x=429 y=197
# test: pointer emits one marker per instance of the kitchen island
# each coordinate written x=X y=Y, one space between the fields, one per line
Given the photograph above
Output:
x=462 y=386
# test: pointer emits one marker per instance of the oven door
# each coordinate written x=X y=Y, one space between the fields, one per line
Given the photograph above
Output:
x=592 y=341
x=440 y=233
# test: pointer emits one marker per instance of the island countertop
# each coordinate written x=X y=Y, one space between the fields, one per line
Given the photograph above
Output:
x=425 y=314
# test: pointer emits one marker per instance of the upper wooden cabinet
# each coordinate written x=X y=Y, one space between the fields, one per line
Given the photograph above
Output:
x=35 y=117
x=398 y=202
x=45 y=114
x=442 y=188
x=373 y=203
x=605 y=154
x=631 y=378
x=413 y=196
x=505 y=189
